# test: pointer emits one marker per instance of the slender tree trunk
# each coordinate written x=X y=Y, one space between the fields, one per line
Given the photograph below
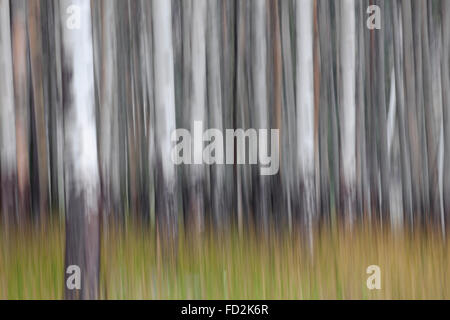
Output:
x=420 y=104
x=196 y=214
x=8 y=164
x=108 y=109
x=166 y=204
x=20 y=69
x=220 y=215
x=39 y=107
x=362 y=178
x=260 y=105
x=347 y=108
x=432 y=131
x=276 y=109
x=411 y=108
x=288 y=135
x=401 y=113
x=446 y=109
x=82 y=184
x=305 y=110
x=239 y=113
x=228 y=70
x=380 y=101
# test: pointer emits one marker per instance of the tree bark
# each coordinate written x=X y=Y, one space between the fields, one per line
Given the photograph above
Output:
x=8 y=165
x=445 y=74
x=21 y=97
x=305 y=110
x=82 y=185
x=347 y=108
x=165 y=173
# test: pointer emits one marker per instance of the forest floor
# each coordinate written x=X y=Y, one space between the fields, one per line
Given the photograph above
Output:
x=412 y=266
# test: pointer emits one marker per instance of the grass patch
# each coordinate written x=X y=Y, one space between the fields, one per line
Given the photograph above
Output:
x=412 y=266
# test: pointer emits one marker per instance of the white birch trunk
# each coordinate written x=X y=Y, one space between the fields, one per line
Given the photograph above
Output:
x=347 y=106
x=164 y=120
x=81 y=163
x=7 y=119
x=305 y=108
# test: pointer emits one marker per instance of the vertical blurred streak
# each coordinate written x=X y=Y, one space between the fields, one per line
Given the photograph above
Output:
x=260 y=106
x=317 y=77
x=52 y=97
x=8 y=164
x=401 y=117
x=305 y=110
x=278 y=209
x=373 y=158
x=220 y=215
x=333 y=84
x=241 y=106
x=347 y=108
x=165 y=171
x=436 y=52
x=20 y=70
x=288 y=133
x=410 y=106
x=142 y=97
x=149 y=107
x=445 y=74
x=228 y=73
x=326 y=86
x=108 y=108
x=432 y=131
x=198 y=112
x=121 y=118
x=39 y=105
x=380 y=72
x=420 y=104
x=362 y=179
x=394 y=156
x=135 y=127
x=186 y=83
x=82 y=185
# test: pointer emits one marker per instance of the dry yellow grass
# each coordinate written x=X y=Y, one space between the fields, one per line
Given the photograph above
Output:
x=31 y=267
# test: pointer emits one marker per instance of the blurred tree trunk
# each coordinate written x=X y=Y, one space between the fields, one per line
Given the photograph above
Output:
x=420 y=105
x=432 y=132
x=411 y=109
x=288 y=134
x=241 y=110
x=276 y=102
x=198 y=113
x=326 y=103
x=260 y=106
x=445 y=74
x=334 y=158
x=220 y=215
x=401 y=113
x=53 y=97
x=21 y=97
x=362 y=178
x=39 y=106
x=8 y=164
x=228 y=69
x=82 y=184
x=305 y=110
x=166 y=204
x=380 y=106
x=347 y=107
x=108 y=110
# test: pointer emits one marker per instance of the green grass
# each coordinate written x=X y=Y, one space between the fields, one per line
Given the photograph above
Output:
x=32 y=266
